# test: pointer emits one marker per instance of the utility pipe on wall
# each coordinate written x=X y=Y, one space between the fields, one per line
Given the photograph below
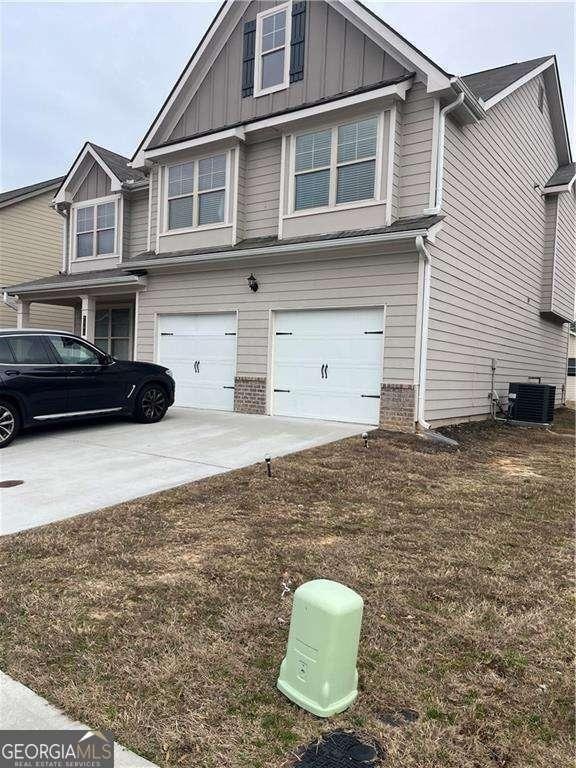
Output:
x=436 y=208
x=65 y=220
x=423 y=351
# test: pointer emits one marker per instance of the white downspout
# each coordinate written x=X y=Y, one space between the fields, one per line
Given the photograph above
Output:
x=423 y=351
x=65 y=220
x=436 y=208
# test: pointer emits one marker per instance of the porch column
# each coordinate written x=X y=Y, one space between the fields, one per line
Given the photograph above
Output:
x=88 y=318
x=23 y=314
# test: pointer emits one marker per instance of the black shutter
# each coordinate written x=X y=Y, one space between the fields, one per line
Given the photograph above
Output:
x=297 y=42
x=248 y=58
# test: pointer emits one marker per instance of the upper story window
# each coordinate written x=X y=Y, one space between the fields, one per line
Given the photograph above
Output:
x=272 y=66
x=96 y=230
x=336 y=166
x=197 y=193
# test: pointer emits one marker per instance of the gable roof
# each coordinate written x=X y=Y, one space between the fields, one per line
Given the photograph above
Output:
x=114 y=165
x=23 y=193
x=118 y=164
x=482 y=90
x=363 y=18
x=489 y=82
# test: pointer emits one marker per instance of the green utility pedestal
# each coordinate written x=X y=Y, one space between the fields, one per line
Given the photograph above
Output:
x=319 y=670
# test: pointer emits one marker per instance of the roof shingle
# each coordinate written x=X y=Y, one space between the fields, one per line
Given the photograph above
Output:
x=564 y=174
x=490 y=82
x=14 y=194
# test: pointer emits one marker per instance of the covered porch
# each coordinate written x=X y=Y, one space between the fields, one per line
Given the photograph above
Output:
x=104 y=314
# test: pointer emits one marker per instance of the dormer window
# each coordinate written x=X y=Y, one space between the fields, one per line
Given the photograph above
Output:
x=96 y=230
x=272 y=68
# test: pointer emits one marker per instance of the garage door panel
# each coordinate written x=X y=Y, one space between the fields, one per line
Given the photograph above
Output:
x=328 y=364
x=200 y=350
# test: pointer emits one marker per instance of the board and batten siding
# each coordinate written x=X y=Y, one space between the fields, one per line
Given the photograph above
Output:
x=389 y=277
x=31 y=247
x=338 y=58
x=96 y=184
x=488 y=262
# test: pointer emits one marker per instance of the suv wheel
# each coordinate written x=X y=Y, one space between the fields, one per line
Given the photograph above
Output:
x=151 y=405
x=9 y=423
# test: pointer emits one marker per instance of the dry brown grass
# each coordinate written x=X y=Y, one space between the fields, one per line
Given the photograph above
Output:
x=162 y=619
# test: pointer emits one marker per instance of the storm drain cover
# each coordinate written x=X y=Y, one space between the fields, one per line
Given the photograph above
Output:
x=340 y=749
x=10 y=483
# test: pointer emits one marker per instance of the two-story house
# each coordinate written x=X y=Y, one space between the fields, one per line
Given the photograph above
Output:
x=31 y=247
x=321 y=222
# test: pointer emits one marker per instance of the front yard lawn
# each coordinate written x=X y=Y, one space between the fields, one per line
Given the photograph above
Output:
x=163 y=619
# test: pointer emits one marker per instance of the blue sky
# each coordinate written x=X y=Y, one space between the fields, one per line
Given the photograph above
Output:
x=100 y=71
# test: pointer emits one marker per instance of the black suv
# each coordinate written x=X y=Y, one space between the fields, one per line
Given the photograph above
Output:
x=55 y=376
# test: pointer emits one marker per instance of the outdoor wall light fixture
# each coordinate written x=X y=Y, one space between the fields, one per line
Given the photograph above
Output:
x=252 y=282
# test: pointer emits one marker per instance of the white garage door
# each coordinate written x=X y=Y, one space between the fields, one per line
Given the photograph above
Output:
x=200 y=350
x=328 y=364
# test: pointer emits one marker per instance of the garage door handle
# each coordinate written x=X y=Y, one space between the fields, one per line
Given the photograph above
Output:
x=376 y=397
x=196 y=366
x=281 y=390
x=166 y=334
x=324 y=371
x=225 y=387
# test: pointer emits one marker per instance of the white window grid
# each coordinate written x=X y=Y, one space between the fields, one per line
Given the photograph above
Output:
x=89 y=220
x=260 y=51
x=334 y=165
x=196 y=192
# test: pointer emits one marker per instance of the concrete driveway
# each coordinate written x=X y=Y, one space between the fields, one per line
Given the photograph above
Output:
x=71 y=469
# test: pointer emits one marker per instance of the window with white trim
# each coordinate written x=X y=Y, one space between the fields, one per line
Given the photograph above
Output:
x=273 y=29
x=96 y=230
x=197 y=193
x=336 y=166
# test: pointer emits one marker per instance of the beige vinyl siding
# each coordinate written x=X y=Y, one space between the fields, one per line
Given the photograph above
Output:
x=262 y=188
x=96 y=184
x=565 y=257
x=136 y=230
x=550 y=218
x=415 y=152
x=31 y=247
x=388 y=277
x=338 y=58
x=241 y=207
x=154 y=179
x=488 y=262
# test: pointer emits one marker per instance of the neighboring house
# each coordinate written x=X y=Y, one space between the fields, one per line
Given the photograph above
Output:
x=31 y=247
x=571 y=370
x=321 y=222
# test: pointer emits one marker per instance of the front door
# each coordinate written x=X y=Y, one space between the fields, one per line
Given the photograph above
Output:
x=91 y=385
x=113 y=331
x=200 y=350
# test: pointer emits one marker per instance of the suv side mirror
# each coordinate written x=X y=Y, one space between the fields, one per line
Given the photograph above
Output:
x=106 y=360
